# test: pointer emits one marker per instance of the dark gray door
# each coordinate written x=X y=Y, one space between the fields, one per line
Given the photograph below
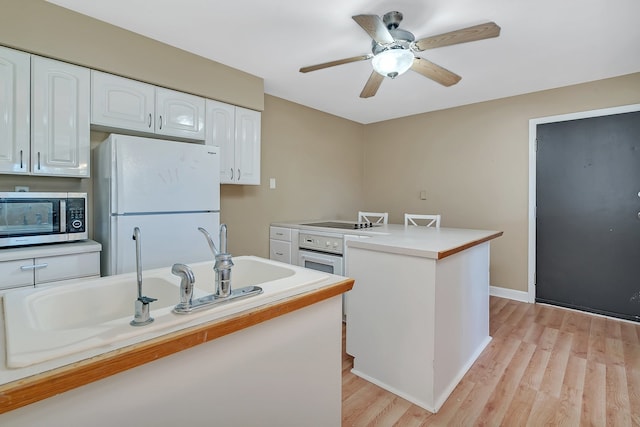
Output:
x=588 y=205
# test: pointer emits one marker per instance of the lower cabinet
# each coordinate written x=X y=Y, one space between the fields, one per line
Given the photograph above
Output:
x=48 y=264
x=283 y=245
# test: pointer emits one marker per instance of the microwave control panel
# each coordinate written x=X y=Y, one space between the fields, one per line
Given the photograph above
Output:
x=75 y=215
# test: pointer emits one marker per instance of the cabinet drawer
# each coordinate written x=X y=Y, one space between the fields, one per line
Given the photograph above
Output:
x=67 y=267
x=280 y=251
x=280 y=233
x=12 y=275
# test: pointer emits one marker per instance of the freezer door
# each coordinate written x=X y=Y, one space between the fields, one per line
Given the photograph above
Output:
x=151 y=175
x=165 y=240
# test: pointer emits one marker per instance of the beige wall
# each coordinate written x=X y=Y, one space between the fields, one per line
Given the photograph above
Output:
x=472 y=161
x=317 y=161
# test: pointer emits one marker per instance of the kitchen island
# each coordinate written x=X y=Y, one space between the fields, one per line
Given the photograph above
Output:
x=418 y=314
x=269 y=359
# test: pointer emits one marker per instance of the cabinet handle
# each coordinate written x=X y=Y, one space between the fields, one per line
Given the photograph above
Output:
x=21 y=164
x=160 y=122
x=279 y=253
x=232 y=174
x=38 y=160
x=34 y=267
x=238 y=174
x=149 y=120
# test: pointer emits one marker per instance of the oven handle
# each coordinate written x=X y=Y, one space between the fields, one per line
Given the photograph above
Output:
x=312 y=256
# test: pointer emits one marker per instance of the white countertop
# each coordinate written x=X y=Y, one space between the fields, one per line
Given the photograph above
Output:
x=427 y=242
x=50 y=249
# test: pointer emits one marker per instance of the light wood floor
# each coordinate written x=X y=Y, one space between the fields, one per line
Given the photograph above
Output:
x=545 y=366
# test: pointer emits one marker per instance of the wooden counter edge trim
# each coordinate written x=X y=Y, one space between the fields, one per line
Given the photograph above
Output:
x=444 y=254
x=38 y=387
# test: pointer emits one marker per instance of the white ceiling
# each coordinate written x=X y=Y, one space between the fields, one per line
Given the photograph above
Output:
x=543 y=44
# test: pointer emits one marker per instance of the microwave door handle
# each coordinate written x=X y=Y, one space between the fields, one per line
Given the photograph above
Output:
x=63 y=216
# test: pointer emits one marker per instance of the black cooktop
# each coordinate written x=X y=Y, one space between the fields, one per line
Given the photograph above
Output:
x=345 y=225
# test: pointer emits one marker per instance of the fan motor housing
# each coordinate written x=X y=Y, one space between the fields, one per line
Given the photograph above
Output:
x=402 y=40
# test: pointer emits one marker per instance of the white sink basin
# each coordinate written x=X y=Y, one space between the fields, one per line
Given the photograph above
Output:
x=51 y=322
x=92 y=304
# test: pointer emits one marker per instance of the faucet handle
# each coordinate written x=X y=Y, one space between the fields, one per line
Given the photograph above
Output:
x=209 y=240
x=147 y=300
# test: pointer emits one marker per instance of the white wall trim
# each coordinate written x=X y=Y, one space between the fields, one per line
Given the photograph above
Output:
x=533 y=123
x=513 y=294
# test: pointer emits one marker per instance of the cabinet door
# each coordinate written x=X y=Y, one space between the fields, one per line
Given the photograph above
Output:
x=14 y=111
x=16 y=273
x=247 y=149
x=179 y=114
x=220 y=131
x=59 y=118
x=121 y=103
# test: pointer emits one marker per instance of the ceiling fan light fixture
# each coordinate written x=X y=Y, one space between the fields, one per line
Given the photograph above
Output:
x=392 y=62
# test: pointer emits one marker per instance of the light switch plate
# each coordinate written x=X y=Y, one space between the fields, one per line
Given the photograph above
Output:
x=423 y=195
x=272 y=183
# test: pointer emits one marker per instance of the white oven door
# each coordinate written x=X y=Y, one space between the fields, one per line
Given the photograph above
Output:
x=322 y=262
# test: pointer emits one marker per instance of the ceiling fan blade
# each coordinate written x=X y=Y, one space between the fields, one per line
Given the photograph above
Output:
x=374 y=82
x=334 y=63
x=477 y=32
x=374 y=26
x=435 y=72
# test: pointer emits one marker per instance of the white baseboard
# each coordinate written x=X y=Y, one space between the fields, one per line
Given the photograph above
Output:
x=508 y=293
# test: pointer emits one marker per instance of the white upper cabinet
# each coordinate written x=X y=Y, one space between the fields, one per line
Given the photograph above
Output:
x=44 y=116
x=247 y=149
x=121 y=103
x=237 y=132
x=221 y=131
x=117 y=102
x=60 y=95
x=14 y=111
x=179 y=114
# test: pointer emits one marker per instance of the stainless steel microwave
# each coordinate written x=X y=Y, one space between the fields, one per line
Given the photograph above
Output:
x=29 y=218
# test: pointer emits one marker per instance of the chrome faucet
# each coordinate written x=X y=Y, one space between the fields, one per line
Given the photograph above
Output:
x=222 y=292
x=223 y=262
x=141 y=314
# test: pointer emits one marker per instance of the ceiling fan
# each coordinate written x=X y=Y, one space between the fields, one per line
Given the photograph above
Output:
x=393 y=50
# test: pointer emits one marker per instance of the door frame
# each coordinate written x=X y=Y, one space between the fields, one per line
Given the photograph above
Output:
x=533 y=123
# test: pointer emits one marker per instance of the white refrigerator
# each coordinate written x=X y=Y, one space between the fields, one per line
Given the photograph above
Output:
x=167 y=189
